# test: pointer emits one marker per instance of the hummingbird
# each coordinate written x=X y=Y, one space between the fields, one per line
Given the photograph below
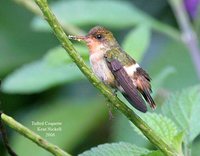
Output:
x=116 y=68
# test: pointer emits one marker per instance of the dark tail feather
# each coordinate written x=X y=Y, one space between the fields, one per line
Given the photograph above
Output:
x=149 y=99
x=135 y=103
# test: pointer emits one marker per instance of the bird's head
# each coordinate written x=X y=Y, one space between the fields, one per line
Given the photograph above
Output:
x=98 y=38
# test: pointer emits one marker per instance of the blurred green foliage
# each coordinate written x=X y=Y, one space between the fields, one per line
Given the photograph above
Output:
x=116 y=149
x=74 y=128
x=41 y=83
x=183 y=108
x=158 y=123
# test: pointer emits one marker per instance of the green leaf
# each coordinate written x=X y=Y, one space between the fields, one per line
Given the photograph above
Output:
x=76 y=120
x=178 y=140
x=115 y=14
x=39 y=76
x=166 y=53
x=18 y=43
x=163 y=126
x=54 y=69
x=183 y=108
x=195 y=148
x=116 y=149
x=155 y=153
x=137 y=41
x=58 y=55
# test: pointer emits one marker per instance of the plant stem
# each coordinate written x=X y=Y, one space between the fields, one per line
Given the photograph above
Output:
x=5 y=138
x=114 y=101
x=33 y=136
x=189 y=37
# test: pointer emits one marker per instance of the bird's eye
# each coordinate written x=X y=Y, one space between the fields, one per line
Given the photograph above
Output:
x=98 y=36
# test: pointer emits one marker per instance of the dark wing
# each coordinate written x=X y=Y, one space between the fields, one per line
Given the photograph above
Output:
x=142 y=80
x=123 y=80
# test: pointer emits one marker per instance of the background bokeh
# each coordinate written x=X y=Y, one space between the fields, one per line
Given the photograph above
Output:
x=41 y=83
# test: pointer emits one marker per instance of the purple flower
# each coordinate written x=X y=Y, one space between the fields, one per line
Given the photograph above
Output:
x=192 y=7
